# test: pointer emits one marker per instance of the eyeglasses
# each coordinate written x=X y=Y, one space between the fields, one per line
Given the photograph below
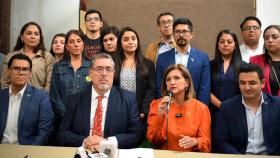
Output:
x=23 y=70
x=249 y=28
x=92 y=19
x=164 y=23
x=183 y=32
x=100 y=69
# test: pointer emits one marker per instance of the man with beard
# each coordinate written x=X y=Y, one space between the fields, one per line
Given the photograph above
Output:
x=251 y=32
x=196 y=61
x=101 y=112
x=93 y=23
x=165 y=42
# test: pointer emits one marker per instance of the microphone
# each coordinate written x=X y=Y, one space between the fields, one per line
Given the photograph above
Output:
x=170 y=94
x=178 y=115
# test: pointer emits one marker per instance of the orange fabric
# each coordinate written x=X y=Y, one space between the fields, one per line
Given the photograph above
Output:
x=195 y=122
x=97 y=123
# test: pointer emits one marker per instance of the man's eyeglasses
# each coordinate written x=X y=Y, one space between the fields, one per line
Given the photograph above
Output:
x=249 y=28
x=23 y=70
x=92 y=19
x=183 y=32
x=164 y=23
x=100 y=69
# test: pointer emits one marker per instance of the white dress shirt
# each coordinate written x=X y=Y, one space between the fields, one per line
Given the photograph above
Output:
x=182 y=58
x=247 y=53
x=255 y=129
x=10 y=135
x=163 y=47
x=94 y=103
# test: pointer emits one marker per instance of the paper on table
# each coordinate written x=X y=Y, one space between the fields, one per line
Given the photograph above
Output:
x=136 y=153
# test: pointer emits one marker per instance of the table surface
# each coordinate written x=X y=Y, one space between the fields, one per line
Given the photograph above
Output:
x=21 y=151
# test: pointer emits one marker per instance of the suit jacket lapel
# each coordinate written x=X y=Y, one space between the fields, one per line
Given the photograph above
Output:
x=172 y=58
x=243 y=119
x=265 y=113
x=191 y=59
x=87 y=110
x=4 y=106
x=110 y=110
x=24 y=104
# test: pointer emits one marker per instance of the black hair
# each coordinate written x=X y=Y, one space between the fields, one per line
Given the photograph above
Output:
x=248 y=18
x=236 y=59
x=164 y=14
x=91 y=11
x=185 y=21
x=105 y=31
x=248 y=67
x=266 y=54
x=66 y=54
x=267 y=57
x=57 y=35
x=20 y=43
x=20 y=56
x=139 y=58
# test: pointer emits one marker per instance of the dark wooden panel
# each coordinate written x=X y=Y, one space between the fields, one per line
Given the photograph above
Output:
x=208 y=16
x=5 y=14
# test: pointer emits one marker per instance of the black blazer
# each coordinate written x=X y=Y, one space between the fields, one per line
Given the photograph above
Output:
x=145 y=87
x=122 y=119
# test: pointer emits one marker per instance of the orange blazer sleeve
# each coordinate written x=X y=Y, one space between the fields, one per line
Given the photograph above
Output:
x=156 y=132
x=204 y=131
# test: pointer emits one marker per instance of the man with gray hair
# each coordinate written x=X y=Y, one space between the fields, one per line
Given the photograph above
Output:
x=101 y=112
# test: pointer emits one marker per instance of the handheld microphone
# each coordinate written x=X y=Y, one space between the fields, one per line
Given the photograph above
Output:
x=170 y=94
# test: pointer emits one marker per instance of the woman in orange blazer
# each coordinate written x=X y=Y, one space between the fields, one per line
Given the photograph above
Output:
x=185 y=126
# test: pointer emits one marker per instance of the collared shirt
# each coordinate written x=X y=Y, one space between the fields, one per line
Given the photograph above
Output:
x=255 y=129
x=94 y=103
x=10 y=135
x=247 y=53
x=164 y=47
x=182 y=58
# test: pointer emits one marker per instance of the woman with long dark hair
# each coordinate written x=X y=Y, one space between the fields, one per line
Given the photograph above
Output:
x=224 y=67
x=69 y=75
x=270 y=60
x=133 y=71
x=31 y=43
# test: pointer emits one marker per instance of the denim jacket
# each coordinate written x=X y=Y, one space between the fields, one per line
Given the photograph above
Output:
x=66 y=81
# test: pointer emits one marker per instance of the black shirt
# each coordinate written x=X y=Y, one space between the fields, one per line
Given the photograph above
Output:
x=272 y=79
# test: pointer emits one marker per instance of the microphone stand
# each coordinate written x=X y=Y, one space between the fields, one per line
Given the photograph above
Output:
x=170 y=94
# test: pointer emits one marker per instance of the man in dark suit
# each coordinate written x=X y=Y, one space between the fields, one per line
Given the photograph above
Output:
x=120 y=116
x=249 y=123
x=196 y=61
x=25 y=111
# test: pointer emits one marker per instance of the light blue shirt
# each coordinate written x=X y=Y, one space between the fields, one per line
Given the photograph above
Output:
x=163 y=47
x=182 y=58
x=255 y=129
